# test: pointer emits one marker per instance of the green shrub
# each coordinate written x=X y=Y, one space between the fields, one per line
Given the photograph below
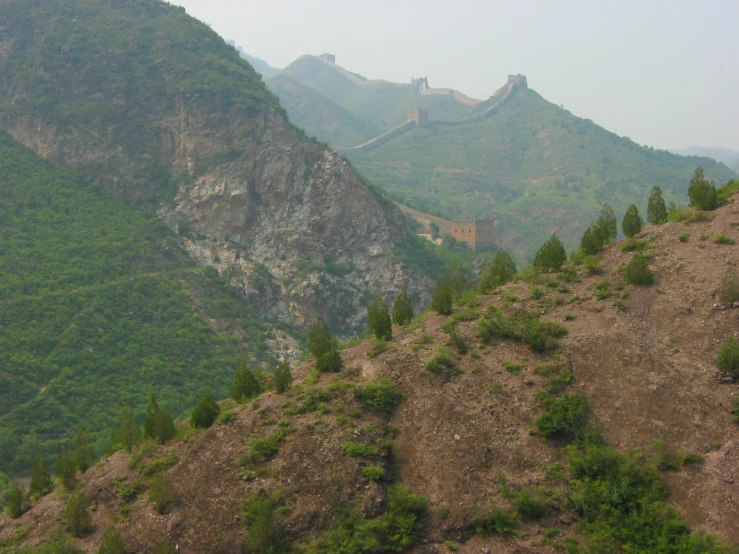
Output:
x=523 y=326
x=373 y=473
x=112 y=542
x=631 y=245
x=727 y=191
x=14 y=509
x=161 y=492
x=728 y=290
x=496 y=272
x=206 y=412
x=728 y=357
x=565 y=417
x=592 y=265
x=656 y=209
x=382 y=395
x=125 y=491
x=688 y=215
x=529 y=505
x=378 y=347
x=444 y=360
x=497 y=521
x=511 y=367
x=632 y=223
x=356 y=450
x=638 y=272
x=262 y=449
x=442 y=297
x=721 y=238
x=227 y=417
x=264 y=533
x=159 y=424
x=457 y=341
x=330 y=362
x=702 y=194
x=683 y=237
x=245 y=385
x=551 y=255
x=41 y=483
x=282 y=377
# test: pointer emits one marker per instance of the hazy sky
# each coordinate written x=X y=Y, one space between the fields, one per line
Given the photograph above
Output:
x=665 y=73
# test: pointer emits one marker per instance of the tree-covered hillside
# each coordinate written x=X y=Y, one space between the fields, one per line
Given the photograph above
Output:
x=98 y=306
x=534 y=167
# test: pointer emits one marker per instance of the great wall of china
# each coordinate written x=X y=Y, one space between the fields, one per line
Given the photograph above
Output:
x=418 y=117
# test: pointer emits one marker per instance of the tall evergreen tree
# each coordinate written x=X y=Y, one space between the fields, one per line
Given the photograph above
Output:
x=15 y=502
x=378 y=319
x=656 y=209
x=590 y=243
x=66 y=469
x=402 y=309
x=702 y=194
x=632 y=223
x=245 y=384
x=83 y=449
x=441 y=299
x=319 y=340
x=40 y=479
x=128 y=433
x=77 y=514
x=151 y=415
x=206 y=412
x=159 y=424
x=282 y=377
x=606 y=225
x=551 y=255
x=459 y=280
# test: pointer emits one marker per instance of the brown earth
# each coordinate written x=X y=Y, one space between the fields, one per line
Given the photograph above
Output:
x=644 y=357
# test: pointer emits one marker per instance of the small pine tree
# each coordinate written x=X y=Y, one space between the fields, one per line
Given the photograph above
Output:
x=41 y=483
x=127 y=434
x=14 y=508
x=551 y=255
x=632 y=223
x=161 y=492
x=497 y=272
x=112 y=542
x=378 y=319
x=728 y=358
x=638 y=272
x=702 y=194
x=206 y=412
x=656 y=209
x=319 y=340
x=66 y=469
x=282 y=377
x=606 y=225
x=402 y=309
x=83 y=450
x=590 y=241
x=151 y=415
x=441 y=300
x=245 y=385
x=330 y=362
x=77 y=514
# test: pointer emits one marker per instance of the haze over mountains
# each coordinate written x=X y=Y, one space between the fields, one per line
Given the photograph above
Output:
x=530 y=166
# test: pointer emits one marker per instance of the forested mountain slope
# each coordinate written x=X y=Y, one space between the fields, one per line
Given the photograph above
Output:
x=100 y=306
x=152 y=105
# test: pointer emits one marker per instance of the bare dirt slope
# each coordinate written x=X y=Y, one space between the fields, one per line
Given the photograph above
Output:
x=644 y=356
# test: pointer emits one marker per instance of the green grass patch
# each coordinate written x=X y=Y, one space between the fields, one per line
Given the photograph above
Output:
x=382 y=395
x=523 y=326
x=356 y=450
x=721 y=238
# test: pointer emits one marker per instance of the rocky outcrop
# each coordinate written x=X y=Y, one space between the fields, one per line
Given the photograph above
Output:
x=242 y=185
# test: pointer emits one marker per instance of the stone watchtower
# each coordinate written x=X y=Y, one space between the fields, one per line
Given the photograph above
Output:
x=422 y=83
x=419 y=116
x=328 y=58
x=519 y=80
x=476 y=233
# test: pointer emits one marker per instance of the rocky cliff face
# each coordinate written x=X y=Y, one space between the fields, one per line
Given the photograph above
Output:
x=180 y=123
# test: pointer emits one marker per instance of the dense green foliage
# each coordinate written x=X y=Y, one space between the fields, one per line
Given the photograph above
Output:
x=265 y=534
x=701 y=192
x=99 y=309
x=632 y=223
x=496 y=272
x=378 y=319
x=638 y=272
x=728 y=357
x=40 y=479
x=127 y=434
x=66 y=469
x=565 y=417
x=14 y=508
x=728 y=290
x=206 y=412
x=245 y=386
x=158 y=424
x=161 y=492
x=402 y=309
x=656 y=209
x=397 y=529
x=325 y=348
